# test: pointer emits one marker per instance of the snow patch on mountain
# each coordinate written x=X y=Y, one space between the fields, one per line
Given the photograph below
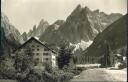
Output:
x=83 y=45
x=105 y=24
x=95 y=31
x=56 y=27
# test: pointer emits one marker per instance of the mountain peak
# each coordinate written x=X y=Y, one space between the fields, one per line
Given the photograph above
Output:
x=43 y=22
x=11 y=33
x=59 y=22
x=96 y=11
x=34 y=27
x=86 y=9
x=77 y=9
x=24 y=33
x=39 y=29
x=24 y=36
x=4 y=17
x=78 y=6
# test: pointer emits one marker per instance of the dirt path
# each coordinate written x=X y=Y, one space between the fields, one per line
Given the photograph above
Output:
x=97 y=74
x=2 y=80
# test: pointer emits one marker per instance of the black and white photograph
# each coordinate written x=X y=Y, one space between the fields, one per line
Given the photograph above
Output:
x=63 y=41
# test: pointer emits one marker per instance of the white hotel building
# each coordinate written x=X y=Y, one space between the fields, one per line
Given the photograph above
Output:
x=41 y=52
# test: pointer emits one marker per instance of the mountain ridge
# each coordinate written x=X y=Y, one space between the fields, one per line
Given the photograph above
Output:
x=10 y=37
x=78 y=30
x=82 y=24
x=114 y=35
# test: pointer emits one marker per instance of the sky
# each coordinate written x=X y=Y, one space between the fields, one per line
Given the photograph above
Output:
x=24 y=14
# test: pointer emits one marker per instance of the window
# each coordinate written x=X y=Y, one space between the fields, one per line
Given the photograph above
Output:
x=37 y=53
x=33 y=49
x=33 y=46
x=36 y=61
x=43 y=64
x=38 y=49
x=38 y=46
x=53 y=59
x=46 y=49
x=45 y=54
x=46 y=59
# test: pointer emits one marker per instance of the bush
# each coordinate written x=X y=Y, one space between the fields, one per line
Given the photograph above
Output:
x=57 y=76
x=48 y=67
x=121 y=66
x=54 y=76
x=11 y=73
x=32 y=77
x=38 y=71
x=76 y=72
x=66 y=76
x=7 y=71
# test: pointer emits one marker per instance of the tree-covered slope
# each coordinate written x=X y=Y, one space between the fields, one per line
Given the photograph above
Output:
x=114 y=35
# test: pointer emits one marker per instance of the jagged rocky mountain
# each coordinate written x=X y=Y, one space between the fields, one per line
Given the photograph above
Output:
x=80 y=27
x=10 y=36
x=11 y=32
x=115 y=36
x=50 y=35
x=39 y=30
x=24 y=36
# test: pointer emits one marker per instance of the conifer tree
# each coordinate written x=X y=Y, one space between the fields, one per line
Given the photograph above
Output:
x=64 y=57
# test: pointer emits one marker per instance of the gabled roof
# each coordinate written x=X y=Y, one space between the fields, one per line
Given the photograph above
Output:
x=38 y=41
